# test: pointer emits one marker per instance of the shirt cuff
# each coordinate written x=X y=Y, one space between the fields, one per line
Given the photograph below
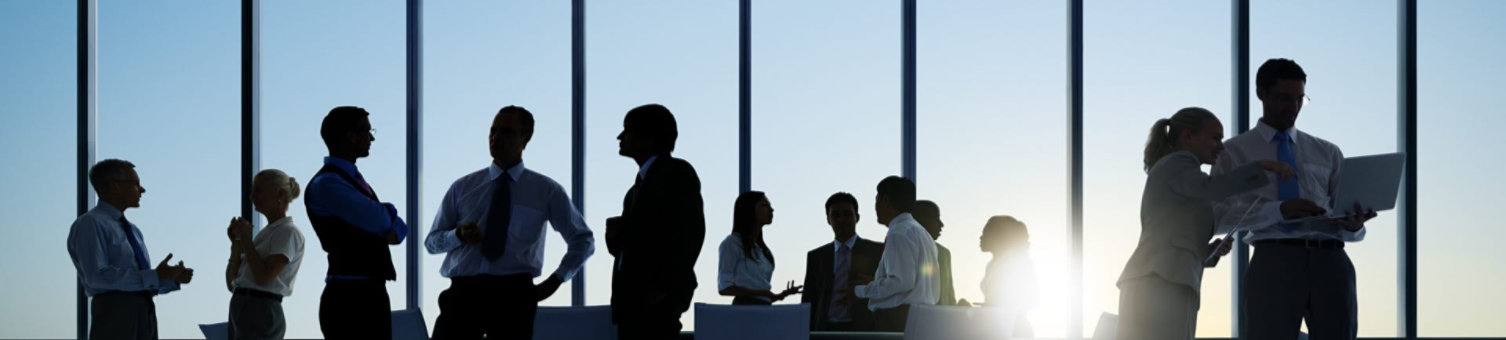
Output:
x=149 y=280
x=861 y=291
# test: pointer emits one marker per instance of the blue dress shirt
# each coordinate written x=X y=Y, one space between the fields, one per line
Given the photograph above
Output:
x=535 y=199
x=102 y=254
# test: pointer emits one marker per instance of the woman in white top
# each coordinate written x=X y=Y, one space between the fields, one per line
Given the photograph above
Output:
x=262 y=268
x=1159 y=288
x=1009 y=282
x=746 y=265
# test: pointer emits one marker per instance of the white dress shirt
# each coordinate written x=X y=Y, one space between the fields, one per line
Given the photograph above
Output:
x=103 y=257
x=535 y=199
x=736 y=269
x=280 y=237
x=908 y=273
x=1318 y=171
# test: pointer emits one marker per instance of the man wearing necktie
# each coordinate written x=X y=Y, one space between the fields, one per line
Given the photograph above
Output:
x=657 y=239
x=356 y=229
x=490 y=226
x=833 y=269
x=110 y=255
x=1299 y=269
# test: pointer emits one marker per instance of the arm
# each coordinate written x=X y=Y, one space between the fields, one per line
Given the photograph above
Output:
x=730 y=255
x=898 y=264
x=89 y=248
x=329 y=196
x=1186 y=179
x=572 y=227
x=233 y=268
x=1229 y=211
x=1333 y=188
x=810 y=280
x=265 y=267
x=442 y=237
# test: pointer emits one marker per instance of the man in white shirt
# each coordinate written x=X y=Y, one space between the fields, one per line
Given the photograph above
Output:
x=491 y=227
x=907 y=273
x=1299 y=269
x=110 y=255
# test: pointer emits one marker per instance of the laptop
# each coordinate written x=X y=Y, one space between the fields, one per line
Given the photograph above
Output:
x=1372 y=181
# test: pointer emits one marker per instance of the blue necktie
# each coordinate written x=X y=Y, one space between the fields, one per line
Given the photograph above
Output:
x=1287 y=190
x=141 y=260
x=494 y=241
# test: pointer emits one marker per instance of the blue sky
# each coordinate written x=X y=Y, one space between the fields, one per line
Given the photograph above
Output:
x=992 y=127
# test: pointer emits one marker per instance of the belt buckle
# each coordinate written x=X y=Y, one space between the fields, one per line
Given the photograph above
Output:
x=1312 y=244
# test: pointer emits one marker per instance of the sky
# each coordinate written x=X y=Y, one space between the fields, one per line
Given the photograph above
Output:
x=992 y=129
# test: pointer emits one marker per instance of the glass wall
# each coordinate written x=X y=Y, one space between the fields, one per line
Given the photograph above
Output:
x=478 y=57
x=316 y=56
x=38 y=88
x=1348 y=50
x=992 y=140
x=1459 y=85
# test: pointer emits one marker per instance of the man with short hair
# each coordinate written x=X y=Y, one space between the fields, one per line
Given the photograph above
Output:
x=110 y=255
x=929 y=215
x=832 y=270
x=490 y=226
x=1299 y=269
x=906 y=274
x=356 y=229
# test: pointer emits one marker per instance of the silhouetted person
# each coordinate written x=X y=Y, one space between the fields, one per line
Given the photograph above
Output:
x=929 y=216
x=905 y=274
x=356 y=229
x=658 y=237
x=490 y=226
x=832 y=270
x=745 y=264
x=1299 y=270
x=262 y=268
x=1159 y=288
x=110 y=255
x=1009 y=282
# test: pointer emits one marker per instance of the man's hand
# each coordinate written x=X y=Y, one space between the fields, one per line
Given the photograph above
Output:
x=166 y=272
x=185 y=274
x=1299 y=208
x=1355 y=218
x=469 y=233
x=544 y=289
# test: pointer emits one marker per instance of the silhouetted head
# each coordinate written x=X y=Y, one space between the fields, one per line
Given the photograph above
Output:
x=1004 y=234
x=929 y=216
x=750 y=213
x=1193 y=129
x=116 y=183
x=512 y=128
x=272 y=190
x=647 y=131
x=347 y=132
x=896 y=195
x=1281 y=86
x=842 y=215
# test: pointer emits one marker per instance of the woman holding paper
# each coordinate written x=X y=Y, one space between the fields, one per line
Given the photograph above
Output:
x=1159 y=288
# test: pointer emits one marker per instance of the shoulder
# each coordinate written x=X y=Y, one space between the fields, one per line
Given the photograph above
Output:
x=1323 y=144
x=866 y=243
x=672 y=165
x=824 y=249
x=732 y=241
x=1175 y=161
x=541 y=179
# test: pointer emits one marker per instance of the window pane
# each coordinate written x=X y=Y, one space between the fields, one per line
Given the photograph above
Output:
x=316 y=56
x=993 y=137
x=1144 y=62
x=1459 y=86
x=1348 y=49
x=478 y=57
x=39 y=134
x=826 y=118
x=682 y=54
x=169 y=101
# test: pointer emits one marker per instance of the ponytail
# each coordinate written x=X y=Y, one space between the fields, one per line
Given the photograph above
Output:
x=1163 y=135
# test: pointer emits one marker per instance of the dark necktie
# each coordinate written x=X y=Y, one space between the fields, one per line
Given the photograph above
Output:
x=1287 y=190
x=838 y=310
x=494 y=242
x=141 y=261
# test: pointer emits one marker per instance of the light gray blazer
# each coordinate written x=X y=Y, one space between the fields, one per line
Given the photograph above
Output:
x=1177 y=218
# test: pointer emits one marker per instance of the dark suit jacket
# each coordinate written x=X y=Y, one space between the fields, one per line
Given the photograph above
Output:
x=944 y=259
x=658 y=241
x=818 y=282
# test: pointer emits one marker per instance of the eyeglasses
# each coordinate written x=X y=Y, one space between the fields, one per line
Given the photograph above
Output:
x=1283 y=97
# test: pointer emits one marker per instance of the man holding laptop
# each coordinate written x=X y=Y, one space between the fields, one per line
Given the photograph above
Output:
x=1299 y=269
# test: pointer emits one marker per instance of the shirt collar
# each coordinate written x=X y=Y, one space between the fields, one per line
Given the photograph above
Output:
x=643 y=170
x=109 y=210
x=901 y=218
x=1268 y=133
x=342 y=164
x=493 y=170
x=849 y=242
